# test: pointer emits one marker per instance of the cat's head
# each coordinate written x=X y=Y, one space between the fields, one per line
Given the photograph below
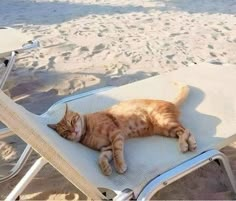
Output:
x=71 y=126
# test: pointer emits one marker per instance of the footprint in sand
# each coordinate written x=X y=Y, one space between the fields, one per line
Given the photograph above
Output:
x=63 y=32
x=66 y=55
x=51 y=62
x=214 y=36
x=70 y=87
x=149 y=48
x=35 y=63
x=38 y=36
x=128 y=54
x=170 y=56
x=84 y=49
x=149 y=20
x=117 y=70
x=98 y=48
x=174 y=34
x=191 y=59
x=136 y=58
x=41 y=68
x=75 y=85
x=210 y=46
x=180 y=42
x=41 y=55
x=7 y=151
x=104 y=30
x=216 y=30
x=185 y=63
x=213 y=54
x=216 y=62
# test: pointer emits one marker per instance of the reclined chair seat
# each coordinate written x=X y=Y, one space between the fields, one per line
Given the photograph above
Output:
x=209 y=112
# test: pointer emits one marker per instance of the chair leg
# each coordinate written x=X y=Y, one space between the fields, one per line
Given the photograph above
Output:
x=5 y=132
x=224 y=160
x=26 y=179
x=183 y=169
x=8 y=70
x=19 y=165
x=125 y=195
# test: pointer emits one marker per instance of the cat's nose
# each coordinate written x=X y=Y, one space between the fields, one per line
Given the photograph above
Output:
x=76 y=130
x=74 y=134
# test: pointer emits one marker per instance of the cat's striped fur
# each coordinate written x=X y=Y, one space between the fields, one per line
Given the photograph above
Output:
x=107 y=130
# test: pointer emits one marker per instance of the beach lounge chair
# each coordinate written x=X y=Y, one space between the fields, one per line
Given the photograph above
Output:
x=209 y=113
x=13 y=43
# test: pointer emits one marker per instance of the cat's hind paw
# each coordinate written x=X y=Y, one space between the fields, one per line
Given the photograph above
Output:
x=187 y=142
x=192 y=143
x=183 y=147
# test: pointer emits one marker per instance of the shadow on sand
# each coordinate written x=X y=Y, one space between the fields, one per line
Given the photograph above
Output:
x=199 y=6
x=39 y=13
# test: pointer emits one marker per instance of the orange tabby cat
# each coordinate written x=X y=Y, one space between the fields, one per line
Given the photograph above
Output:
x=107 y=130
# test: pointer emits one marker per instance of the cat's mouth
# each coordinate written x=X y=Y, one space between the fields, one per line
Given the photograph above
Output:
x=76 y=136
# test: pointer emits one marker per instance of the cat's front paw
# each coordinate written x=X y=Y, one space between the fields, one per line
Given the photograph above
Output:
x=121 y=168
x=105 y=168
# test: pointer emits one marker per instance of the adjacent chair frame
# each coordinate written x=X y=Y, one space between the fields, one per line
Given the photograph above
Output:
x=9 y=62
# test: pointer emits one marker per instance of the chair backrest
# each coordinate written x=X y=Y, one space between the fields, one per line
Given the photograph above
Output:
x=29 y=127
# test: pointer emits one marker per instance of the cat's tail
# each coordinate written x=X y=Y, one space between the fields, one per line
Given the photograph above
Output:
x=183 y=94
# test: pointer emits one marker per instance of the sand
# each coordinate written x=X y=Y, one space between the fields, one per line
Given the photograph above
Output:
x=90 y=44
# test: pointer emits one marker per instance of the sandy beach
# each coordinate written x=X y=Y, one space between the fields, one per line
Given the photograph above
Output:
x=90 y=44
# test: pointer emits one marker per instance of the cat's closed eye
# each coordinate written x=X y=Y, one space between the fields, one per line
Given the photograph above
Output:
x=66 y=134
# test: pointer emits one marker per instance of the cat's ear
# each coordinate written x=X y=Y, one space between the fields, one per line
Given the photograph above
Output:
x=53 y=126
x=66 y=112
